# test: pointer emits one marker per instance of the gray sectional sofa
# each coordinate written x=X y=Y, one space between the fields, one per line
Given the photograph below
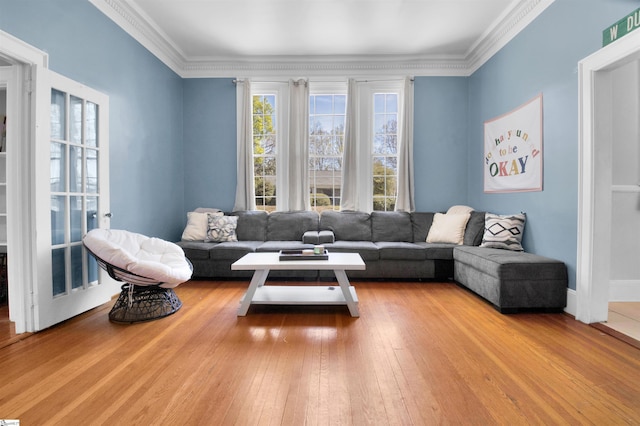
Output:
x=393 y=246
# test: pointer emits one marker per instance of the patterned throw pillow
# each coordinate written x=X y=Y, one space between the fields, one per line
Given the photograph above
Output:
x=503 y=232
x=221 y=228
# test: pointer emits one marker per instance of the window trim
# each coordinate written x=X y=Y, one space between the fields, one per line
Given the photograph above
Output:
x=365 y=133
x=281 y=92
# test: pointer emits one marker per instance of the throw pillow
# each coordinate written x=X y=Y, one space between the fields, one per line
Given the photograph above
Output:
x=197 y=225
x=459 y=210
x=221 y=228
x=448 y=228
x=503 y=232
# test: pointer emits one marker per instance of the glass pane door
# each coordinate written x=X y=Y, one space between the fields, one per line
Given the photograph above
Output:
x=75 y=193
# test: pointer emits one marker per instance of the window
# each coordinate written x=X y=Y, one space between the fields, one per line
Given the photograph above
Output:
x=385 y=151
x=326 y=142
x=372 y=167
x=264 y=150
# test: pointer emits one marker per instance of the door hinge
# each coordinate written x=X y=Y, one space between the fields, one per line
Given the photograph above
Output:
x=28 y=86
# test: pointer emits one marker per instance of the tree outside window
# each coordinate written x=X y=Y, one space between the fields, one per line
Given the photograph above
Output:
x=326 y=142
x=385 y=151
x=264 y=151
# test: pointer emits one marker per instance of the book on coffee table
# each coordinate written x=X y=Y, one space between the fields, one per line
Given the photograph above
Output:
x=302 y=255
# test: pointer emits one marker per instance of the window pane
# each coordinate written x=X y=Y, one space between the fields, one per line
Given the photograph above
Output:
x=324 y=104
x=264 y=150
x=75 y=120
x=92 y=171
x=326 y=143
x=92 y=268
x=91 y=121
x=75 y=168
x=58 y=214
x=58 y=115
x=92 y=213
x=58 y=166
x=385 y=150
x=58 y=271
x=75 y=204
x=391 y=100
x=76 y=266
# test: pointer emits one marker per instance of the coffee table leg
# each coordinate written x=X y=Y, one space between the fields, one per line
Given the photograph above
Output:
x=258 y=279
x=344 y=285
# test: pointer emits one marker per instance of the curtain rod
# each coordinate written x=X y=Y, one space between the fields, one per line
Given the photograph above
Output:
x=236 y=81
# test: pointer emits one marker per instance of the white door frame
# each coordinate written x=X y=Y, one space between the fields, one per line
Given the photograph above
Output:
x=595 y=162
x=22 y=269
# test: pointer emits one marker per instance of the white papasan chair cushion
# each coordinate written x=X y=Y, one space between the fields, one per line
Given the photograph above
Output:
x=149 y=257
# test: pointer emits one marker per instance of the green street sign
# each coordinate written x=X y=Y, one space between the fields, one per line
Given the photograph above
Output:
x=621 y=28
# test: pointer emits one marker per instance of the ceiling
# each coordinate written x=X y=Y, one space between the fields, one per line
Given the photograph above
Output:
x=211 y=35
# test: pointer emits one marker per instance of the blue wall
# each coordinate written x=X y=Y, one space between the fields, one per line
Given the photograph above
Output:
x=210 y=143
x=542 y=59
x=145 y=98
x=440 y=142
x=160 y=168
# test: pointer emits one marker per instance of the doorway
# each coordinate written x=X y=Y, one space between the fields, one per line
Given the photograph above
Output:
x=608 y=267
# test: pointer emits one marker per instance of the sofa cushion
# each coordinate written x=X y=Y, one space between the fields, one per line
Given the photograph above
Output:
x=512 y=265
x=232 y=250
x=437 y=251
x=196 y=250
x=291 y=226
x=391 y=226
x=366 y=249
x=399 y=250
x=252 y=225
x=421 y=223
x=347 y=225
x=503 y=232
x=475 y=229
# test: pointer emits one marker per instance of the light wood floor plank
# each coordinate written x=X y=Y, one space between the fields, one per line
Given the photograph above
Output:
x=420 y=353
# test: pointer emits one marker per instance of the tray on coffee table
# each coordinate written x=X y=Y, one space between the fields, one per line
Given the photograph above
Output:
x=298 y=255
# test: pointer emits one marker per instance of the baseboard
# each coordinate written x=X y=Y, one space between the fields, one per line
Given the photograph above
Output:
x=624 y=291
x=572 y=302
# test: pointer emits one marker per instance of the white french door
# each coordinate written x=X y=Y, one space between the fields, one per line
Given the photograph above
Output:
x=72 y=184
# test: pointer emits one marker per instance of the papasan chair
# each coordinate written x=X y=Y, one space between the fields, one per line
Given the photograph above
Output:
x=149 y=267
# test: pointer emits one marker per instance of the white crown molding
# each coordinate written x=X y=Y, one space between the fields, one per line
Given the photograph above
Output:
x=504 y=30
x=137 y=24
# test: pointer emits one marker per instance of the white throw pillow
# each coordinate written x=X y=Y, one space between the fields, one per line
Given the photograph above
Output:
x=459 y=210
x=448 y=228
x=197 y=226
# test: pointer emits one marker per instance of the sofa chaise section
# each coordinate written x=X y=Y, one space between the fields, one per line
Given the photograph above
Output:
x=511 y=280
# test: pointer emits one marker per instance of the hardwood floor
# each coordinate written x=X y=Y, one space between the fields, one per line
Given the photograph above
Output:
x=420 y=353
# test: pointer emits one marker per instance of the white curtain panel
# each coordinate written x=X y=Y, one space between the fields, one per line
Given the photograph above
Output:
x=245 y=183
x=298 y=163
x=349 y=184
x=405 y=199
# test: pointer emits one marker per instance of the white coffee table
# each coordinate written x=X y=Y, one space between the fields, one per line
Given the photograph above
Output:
x=260 y=294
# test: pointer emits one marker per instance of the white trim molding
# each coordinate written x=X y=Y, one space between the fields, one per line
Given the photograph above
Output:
x=593 y=278
x=142 y=28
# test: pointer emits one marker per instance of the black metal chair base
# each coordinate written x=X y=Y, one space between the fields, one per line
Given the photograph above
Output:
x=144 y=303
